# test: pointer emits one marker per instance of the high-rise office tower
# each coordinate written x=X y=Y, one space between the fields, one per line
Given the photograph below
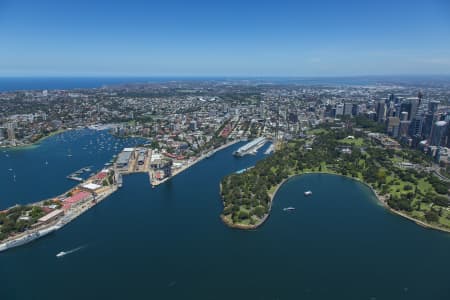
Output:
x=404 y=128
x=433 y=107
x=393 y=124
x=438 y=133
x=339 y=109
x=406 y=107
x=404 y=116
x=348 y=109
x=414 y=106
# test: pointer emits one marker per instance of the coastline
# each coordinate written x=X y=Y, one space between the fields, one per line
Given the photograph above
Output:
x=58 y=224
x=263 y=219
x=36 y=143
x=381 y=199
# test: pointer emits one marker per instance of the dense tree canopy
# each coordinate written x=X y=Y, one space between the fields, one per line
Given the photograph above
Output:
x=247 y=199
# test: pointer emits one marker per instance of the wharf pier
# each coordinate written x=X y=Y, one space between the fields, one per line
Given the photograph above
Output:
x=251 y=147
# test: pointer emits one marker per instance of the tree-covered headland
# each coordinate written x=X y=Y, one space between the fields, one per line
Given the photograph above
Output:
x=401 y=178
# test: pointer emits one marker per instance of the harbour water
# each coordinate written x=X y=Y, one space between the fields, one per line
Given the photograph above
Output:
x=39 y=172
x=169 y=242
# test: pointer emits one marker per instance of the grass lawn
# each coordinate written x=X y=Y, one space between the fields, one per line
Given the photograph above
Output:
x=317 y=131
x=444 y=219
x=424 y=206
x=424 y=186
x=357 y=141
x=399 y=185
x=418 y=214
x=245 y=222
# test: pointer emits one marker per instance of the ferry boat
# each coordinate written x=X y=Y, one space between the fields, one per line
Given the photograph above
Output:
x=61 y=254
x=288 y=208
x=308 y=193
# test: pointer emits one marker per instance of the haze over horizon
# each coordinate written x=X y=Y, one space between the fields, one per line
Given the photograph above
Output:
x=201 y=38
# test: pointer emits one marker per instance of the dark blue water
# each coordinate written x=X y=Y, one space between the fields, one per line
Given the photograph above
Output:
x=40 y=172
x=169 y=243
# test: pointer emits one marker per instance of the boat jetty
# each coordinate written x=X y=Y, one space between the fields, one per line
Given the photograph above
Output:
x=76 y=175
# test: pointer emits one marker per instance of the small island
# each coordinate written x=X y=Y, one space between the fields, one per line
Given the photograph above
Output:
x=403 y=180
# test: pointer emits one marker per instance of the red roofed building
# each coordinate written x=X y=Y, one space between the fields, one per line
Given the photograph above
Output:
x=75 y=199
x=179 y=157
x=226 y=131
x=101 y=175
x=170 y=155
x=46 y=209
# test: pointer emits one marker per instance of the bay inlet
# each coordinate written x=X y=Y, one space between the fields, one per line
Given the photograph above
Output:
x=169 y=242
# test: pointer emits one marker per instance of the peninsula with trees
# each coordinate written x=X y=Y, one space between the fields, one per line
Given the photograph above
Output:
x=402 y=178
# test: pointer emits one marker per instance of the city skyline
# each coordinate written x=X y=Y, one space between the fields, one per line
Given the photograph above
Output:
x=224 y=39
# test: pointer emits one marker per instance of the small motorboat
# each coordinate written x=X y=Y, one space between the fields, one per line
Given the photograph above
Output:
x=288 y=208
x=61 y=254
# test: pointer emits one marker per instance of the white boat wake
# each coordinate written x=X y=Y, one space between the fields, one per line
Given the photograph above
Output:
x=64 y=253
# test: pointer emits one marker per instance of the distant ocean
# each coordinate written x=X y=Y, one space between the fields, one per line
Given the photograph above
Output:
x=67 y=83
x=52 y=83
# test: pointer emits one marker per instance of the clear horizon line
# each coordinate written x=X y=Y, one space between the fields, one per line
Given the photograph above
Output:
x=87 y=75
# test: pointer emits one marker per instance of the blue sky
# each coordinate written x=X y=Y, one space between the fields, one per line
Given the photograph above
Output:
x=224 y=38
